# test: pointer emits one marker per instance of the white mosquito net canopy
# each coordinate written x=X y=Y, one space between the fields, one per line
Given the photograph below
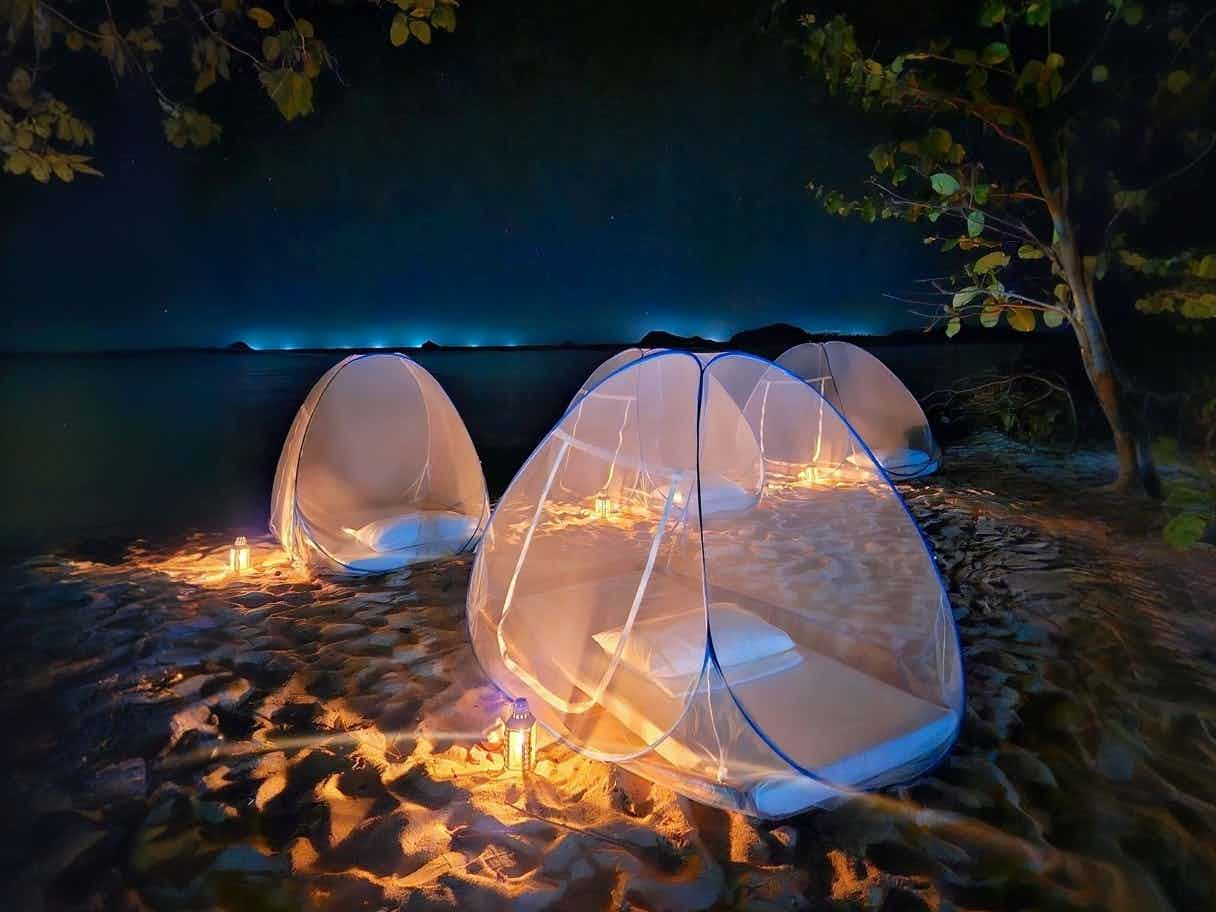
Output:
x=613 y=364
x=693 y=578
x=378 y=471
x=873 y=400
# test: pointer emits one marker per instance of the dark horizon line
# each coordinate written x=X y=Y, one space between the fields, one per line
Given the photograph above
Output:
x=242 y=348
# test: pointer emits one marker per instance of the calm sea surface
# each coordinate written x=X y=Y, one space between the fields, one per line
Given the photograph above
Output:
x=105 y=446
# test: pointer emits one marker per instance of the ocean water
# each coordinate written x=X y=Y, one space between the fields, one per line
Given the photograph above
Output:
x=147 y=445
x=154 y=444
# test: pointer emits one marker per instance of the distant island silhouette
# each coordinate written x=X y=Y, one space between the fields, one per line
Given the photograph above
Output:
x=768 y=340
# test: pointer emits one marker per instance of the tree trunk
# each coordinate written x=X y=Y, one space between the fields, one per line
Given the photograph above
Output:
x=1136 y=469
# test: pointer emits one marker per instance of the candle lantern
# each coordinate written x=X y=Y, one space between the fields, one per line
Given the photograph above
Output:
x=238 y=555
x=519 y=736
x=603 y=505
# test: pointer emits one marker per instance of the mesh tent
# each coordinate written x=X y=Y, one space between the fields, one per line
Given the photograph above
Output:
x=873 y=400
x=747 y=612
x=613 y=364
x=378 y=471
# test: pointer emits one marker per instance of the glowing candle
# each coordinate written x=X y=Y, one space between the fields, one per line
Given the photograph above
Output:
x=603 y=506
x=238 y=555
x=519 y=736
x=807 y=475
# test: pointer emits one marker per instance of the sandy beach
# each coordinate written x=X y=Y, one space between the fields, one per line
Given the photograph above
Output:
x=178 y=738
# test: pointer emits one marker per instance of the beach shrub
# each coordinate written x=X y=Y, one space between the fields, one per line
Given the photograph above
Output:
x=1190 y=494
x=1032 y=406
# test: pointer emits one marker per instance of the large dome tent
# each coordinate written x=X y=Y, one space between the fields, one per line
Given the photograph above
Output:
x=609 y=366
x=873 y=400
x=762 y=653
x=377 y=472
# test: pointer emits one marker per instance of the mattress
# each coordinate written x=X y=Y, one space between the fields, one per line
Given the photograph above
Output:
x=846 y=726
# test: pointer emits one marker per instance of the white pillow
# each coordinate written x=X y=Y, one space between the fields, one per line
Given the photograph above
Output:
x=716 y=498
x=900 y=458
x=398 y=533
x=393 y=533
x=674 y=646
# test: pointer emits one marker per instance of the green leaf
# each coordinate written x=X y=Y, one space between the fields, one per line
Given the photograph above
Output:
x=271 y=48
x=975 y=223
x=444 y=18
x=881 y=157
x=1099 y=73
x=290 y=91
x=420 y=30
x=992 y=12
x=1054 y=61
x=981 y=194
x=991 y=262
x=937 y=142
x=1177 y=81
x=399 y=31
x=1038 y=12
x=997 y=52
x=1052 y=318
x=952 y=327
x=990 y=316
x=1205 y=268
x=1029 y=252
x=1183 y=531
x=1020 y=318
x=1133 y=13
x=206 y=79
x=263 y=17
x=963 y=298
x=944 y=184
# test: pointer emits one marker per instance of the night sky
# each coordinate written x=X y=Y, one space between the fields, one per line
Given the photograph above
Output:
x=550 y=172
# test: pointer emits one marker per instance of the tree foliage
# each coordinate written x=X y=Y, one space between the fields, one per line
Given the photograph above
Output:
x=990 y=211
x=178 y=50
x=1049 y=131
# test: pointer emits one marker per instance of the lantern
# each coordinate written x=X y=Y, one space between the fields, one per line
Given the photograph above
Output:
x=238 y=555
x=603 y=505
x=519 y=736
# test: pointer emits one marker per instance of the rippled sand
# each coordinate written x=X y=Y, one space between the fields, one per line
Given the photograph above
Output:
x=180 y=739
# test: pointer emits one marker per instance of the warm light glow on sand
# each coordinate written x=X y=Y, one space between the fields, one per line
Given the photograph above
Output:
x=604 y=507
x=238 y=555
x=519 y=737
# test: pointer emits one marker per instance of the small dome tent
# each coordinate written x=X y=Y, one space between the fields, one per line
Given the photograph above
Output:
x=686 y=578
x=377 y=472
x=873 y=400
